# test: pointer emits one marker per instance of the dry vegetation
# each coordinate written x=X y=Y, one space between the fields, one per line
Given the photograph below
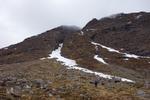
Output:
x=49 y=80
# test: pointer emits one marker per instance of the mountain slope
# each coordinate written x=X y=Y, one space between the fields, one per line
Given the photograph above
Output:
x=67 y=63
x=37 y=46
x=127 y=32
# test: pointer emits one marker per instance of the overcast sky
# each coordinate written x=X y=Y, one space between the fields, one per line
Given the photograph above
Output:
x=23 y=18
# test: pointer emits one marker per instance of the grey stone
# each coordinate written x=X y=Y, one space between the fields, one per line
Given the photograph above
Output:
x=39 y=83
x=15 y=91
x=140 y=93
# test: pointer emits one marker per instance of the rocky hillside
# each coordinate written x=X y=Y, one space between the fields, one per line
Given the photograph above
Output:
x=127 y=32
x=128 y=36
x=113 y=52
x=37 y=46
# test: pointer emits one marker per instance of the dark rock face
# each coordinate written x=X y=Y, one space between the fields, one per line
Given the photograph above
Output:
x=36 y=46
x=128 y=31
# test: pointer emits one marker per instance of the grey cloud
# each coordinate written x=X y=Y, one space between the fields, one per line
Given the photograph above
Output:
x=23 y=18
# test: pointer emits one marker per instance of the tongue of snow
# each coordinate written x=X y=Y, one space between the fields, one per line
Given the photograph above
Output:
x=71 y=64
x=100 y=59
x=117 y=51
x=65 y=61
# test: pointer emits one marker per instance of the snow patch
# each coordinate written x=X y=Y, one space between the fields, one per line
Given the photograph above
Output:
x=96 y=48
x=28 y=87
x=71 y=64
x=42 y=58
x=65 y=61
x=100 y=74
x=138 y=17
x=99 y=59
x=131 y=56
x=81 y=33
x=126 y=59
x=109 y=49
x=117 y=51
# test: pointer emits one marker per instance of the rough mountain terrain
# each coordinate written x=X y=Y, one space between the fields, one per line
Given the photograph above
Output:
x=64 y=63
x=37 y=46
x=127 y=31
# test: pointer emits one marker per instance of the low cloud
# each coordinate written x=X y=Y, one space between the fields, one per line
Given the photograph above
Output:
x=23 y=18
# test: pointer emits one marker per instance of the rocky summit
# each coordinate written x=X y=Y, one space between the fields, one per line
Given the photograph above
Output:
x=108 y=59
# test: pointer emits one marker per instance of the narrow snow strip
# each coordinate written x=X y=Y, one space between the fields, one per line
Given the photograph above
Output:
x=82 y=33
x=126 y=59
x=138 y=17
x=73 y=65
x=131 y=56
x=109 y=49
x=99 y=59
x=57 y=54
x=117 y=51
x=42 y=58
x=100 y=74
